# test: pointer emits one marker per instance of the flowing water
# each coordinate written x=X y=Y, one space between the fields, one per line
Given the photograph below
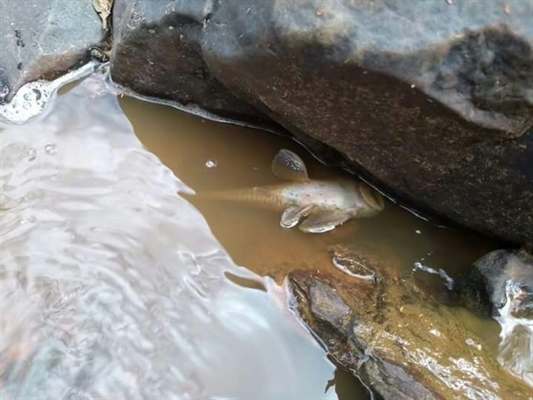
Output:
x=113 y=285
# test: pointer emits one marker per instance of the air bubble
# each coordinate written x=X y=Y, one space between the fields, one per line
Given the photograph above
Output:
x=211 y=163
x=50 y=149
x=26 y=105
x=33 y=95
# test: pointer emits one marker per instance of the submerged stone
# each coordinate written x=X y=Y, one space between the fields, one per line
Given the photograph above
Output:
x=395 y=337
x=433 y=99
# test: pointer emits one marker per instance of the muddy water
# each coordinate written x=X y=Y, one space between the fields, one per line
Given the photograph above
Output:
x=114 y=285
x=213 y=156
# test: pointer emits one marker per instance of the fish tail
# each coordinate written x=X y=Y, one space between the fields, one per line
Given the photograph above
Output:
x=252 y=196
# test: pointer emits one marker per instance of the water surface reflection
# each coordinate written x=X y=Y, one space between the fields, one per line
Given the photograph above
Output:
x=112 y=286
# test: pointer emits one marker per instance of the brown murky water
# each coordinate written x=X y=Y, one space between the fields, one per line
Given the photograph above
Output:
x=213 y=156
x=113 y=285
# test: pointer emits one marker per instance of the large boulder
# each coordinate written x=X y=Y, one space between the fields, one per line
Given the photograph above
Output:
x=44 y=39
x=432 y=99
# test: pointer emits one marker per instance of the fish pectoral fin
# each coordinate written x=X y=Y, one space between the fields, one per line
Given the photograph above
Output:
x=324 y=221
x=289 y=166
x=292 y=215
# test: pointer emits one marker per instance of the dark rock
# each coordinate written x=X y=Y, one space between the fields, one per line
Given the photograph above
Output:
x=394 y=336
x=500 y=285
x=497 y=278
x=44 y=39
x=157 y=52
x=433 y=99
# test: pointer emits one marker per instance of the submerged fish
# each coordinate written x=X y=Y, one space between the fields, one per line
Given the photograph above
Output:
x=323 y=204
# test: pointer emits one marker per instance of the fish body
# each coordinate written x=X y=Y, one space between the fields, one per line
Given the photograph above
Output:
x=323 y=195
x=323 y=204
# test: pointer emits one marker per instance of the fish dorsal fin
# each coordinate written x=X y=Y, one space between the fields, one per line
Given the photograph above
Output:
x=288 y=165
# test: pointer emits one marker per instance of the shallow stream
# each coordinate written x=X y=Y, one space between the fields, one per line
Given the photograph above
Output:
x=114 y=285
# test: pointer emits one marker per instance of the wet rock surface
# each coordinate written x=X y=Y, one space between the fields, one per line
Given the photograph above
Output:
x=43 y=40
x=500 y=285
x=395 y=337
x=496 y=279
x=158 y=52
x=433 y=99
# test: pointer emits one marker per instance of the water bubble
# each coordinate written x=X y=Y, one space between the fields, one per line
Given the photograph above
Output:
x=31 y=154
x=33 y=95
x=418 y=232
x=50 y=149
x=211 y=163
x=435 y=332
x=471 y=342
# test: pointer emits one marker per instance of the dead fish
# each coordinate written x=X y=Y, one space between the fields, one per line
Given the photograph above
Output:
x=323 y=205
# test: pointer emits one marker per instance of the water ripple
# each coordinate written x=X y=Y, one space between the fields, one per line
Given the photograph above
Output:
x=112 y=286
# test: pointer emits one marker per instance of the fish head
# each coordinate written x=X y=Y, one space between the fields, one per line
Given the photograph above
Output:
x=372 y=201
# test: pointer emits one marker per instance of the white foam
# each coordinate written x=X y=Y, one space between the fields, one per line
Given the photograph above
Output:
x=440 y=272
x=34 y=98
x=515 y=351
